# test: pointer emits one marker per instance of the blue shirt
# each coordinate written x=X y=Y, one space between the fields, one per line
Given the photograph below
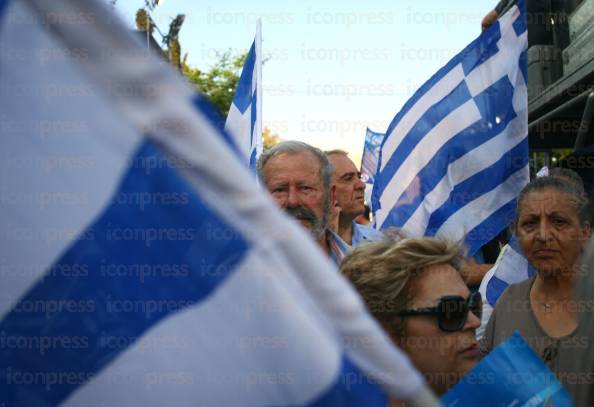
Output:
x=363 y=234
x=339 y=248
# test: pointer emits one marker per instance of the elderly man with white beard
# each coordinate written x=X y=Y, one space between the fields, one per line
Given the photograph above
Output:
x=298 y=176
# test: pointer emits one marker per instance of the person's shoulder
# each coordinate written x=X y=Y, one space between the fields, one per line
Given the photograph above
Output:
x=514 y=292
x=522 y=286
x=362 y=233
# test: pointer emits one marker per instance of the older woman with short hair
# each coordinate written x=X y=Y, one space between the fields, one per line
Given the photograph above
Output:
x=552 y=228
x=415 y=289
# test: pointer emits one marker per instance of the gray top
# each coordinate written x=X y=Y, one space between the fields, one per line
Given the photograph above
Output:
x=513 y=312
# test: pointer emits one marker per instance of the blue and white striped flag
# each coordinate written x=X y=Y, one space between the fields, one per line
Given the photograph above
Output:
x=136 y=272
x=511 y=267
x=456 y=155
x=244 y=121
x=373 y=141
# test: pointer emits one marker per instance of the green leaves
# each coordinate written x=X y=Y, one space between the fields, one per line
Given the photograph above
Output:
x=219 y=82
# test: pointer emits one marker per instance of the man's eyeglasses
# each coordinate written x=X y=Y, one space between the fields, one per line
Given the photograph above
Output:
x=451 y=311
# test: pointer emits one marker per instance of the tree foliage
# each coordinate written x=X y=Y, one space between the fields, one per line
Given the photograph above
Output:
x=144 y=22
x=174 y=54
x=219 y=82
x=269 y=138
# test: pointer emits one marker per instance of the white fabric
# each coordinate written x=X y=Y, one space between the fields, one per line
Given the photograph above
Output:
x=144 y=98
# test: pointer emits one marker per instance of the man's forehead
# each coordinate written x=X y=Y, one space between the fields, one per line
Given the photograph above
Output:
x=342 y=164
x=302 y=163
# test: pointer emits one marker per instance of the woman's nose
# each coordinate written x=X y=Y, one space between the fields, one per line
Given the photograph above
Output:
x=543 y=231
x=473 y=322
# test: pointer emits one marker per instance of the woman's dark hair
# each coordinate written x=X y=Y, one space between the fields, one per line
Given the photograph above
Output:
x=568 y=175
x=570 y=187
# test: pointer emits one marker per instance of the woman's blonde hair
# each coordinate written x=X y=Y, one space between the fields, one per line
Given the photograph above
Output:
x=383 y=273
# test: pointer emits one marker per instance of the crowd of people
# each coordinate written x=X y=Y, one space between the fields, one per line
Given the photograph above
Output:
x=420 y=288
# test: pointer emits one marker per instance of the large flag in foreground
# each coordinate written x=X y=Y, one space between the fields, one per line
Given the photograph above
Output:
x=135 y=271
x=456 y=155
x=244 y=120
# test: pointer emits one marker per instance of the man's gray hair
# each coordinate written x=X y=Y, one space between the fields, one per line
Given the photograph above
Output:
x=336 y=151
x=295 y=147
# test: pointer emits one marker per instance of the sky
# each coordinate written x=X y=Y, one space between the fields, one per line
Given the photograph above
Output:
x=334 y=68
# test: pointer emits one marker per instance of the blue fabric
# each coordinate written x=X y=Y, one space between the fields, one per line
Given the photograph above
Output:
x=481 y=183
x=243 y=94
x=362 y=233
x=510 y=270
x=369 y=159
x=454 y=149
x=424 y=125
x=93 y=305
x=201 y=104
x=495 y=287
x=3 y=4
x=246 y=97
x=352 y=388
x=496 y=115
x=512 y=374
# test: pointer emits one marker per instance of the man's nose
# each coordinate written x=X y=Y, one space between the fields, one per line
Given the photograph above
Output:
x=359 y=184
x=293 y=199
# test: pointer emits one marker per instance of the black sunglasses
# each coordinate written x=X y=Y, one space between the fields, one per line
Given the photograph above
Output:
x=451 y=310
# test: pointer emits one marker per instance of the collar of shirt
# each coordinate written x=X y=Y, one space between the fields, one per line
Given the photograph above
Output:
x=363 y=233
x=338 y=247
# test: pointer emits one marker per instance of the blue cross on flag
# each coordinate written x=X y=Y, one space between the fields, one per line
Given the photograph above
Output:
x=456 y=156
x=244 y=120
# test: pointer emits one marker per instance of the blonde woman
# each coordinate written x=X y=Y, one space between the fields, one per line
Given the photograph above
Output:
x=415 y=289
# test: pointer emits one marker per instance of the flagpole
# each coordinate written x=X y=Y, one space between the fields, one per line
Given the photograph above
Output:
x=258 y=130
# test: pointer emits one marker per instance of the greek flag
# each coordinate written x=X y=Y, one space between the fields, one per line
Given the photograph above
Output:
x=373 y=140
x=244 y=120
x=136 y=272
x=456 y=155
x=511 y=267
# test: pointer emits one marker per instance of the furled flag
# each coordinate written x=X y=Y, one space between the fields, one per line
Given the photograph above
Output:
x=140 y=263
x=511 y=267
x=373 y=140
x=456 y=155
x=369 y=159
x=244 y=120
